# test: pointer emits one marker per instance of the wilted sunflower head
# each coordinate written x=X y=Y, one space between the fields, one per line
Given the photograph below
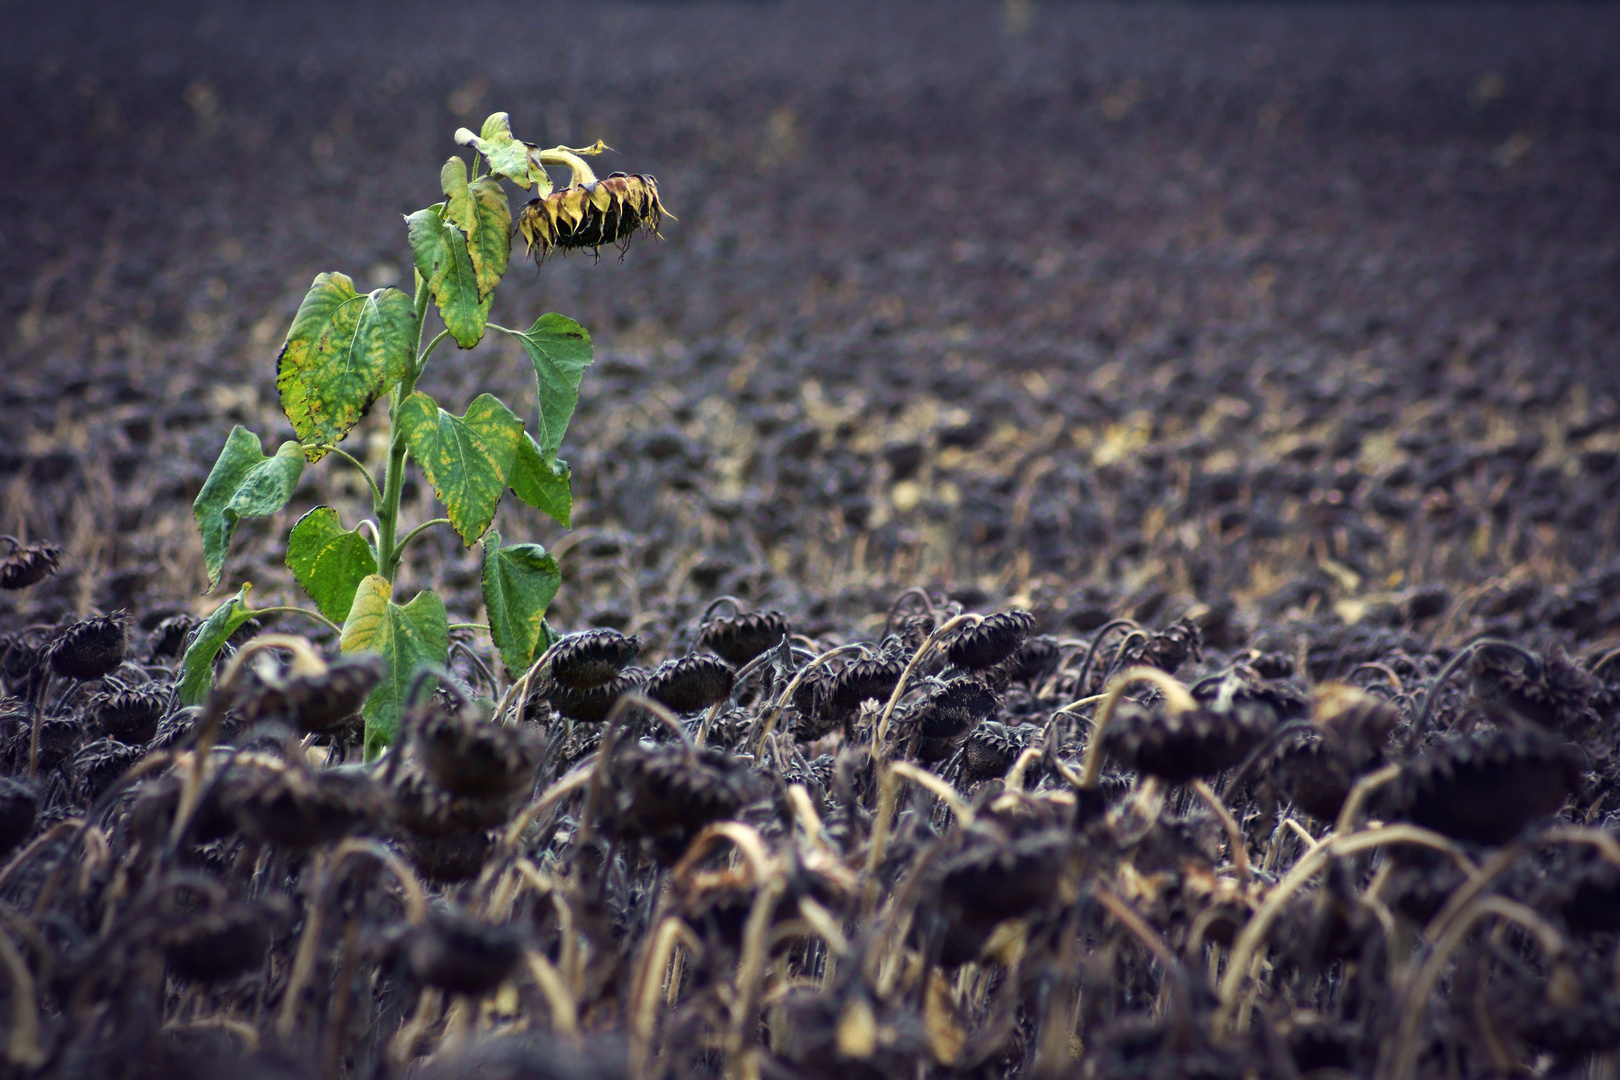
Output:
x=591 y=214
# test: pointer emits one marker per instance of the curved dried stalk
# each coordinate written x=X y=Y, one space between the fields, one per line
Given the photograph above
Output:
x=917 y=658
x=741 y=1050
x=745 y=838
x=925 y=779
x=1234 y=835
x=1503 y=860
x=1359 y=791
x=1252 y=937
x=894 y=608
x=416 y=911
x=768 y=724
x=1421 y=725
x=572 y=781
x=645 y=994
x=22 y=1044
x=1411 y=1010
x=1015 y=776
x=1176 y=699
x=564 y=1012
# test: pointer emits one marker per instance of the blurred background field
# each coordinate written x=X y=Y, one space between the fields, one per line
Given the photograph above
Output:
x=1287 y=316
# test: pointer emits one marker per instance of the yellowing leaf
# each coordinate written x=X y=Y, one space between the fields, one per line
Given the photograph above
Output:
x=480 y=210
x=467 y=459
x=344 y=351
x=408 y=638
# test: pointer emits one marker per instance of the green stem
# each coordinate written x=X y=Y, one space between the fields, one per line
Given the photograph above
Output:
x=394 y=478
x=376 y=495
x=287 y=609
x=421 y=361
x=470 y=626
x=399 y=551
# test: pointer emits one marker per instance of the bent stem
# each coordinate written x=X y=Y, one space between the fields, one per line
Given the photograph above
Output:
x=1403 y=1058
x=1176 y=697
x=22 y=1045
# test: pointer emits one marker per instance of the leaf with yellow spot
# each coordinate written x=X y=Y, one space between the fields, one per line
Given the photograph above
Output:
x=480 y=210
x=344 y=351
x=507 y=155
x=442 y=258
x=468 y=459
x=409 y=638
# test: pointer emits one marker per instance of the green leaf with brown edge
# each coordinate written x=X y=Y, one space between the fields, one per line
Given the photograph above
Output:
x=519 y=584
x=507 y=156
x=408 y=638
x=204 y=643
x=560 y=349
x=440 y=252
x=546 y=486
x=329 y=561
x=467 y=458
x=242 y=483
x=344 y=351
x=480 y=210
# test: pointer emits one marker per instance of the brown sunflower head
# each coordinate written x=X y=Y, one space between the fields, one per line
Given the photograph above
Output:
x=592 y=214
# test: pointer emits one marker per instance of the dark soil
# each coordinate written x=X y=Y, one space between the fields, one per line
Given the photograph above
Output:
x=1286 y=332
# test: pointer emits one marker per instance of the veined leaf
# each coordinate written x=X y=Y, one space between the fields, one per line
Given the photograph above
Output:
x=329 y=561
x=242 y=483
x=197 y=666
x=408 y=638
x=467 y=458
x=480 y=210
x=561 y=351
x=344 y=351
x=546 y=486
x=507 y=156
x=519 y=583
x=440 y=251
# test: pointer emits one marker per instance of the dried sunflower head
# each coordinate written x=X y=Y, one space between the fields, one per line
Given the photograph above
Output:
x=592 y=213
x=28 y=564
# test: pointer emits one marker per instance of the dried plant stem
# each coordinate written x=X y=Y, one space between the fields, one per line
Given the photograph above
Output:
x=917 y=658
x=22 y=1044
x=403 y=1045
x=1503 y=860
x=742 y=1050
x=1245 y=950
x=1411 y=1010
x=1177 y=699
x=1234 y=835
x=645 y=996
x=925 y=779
x=769 y=723
x=576 y=778
x=309 y=941
x=564 y=1012
x=1358 y=795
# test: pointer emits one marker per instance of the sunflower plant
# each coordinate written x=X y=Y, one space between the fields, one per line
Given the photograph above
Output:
x=346 y=350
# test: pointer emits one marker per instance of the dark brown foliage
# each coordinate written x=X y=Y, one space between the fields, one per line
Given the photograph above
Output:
x=129 y=714
x=90 y=649
x=740 y=638
x=29 y=565
x=467 y=754
x=1184 y=746
x=591 y=659
x=689 y=683
x=19 y=804
x=988 y=643
x=219 y=942
x=1485 y=788
x=460 y=954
